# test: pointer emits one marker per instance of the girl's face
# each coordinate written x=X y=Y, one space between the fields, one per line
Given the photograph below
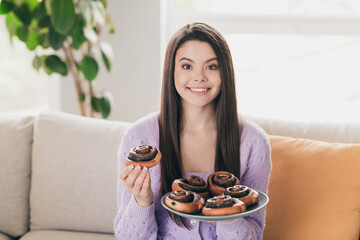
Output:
x=197 y=74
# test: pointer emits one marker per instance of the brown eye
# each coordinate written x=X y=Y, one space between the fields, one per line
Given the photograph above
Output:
x=186 y=66
x=212 y=67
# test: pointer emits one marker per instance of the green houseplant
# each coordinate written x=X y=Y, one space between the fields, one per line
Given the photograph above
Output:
x=65 y=36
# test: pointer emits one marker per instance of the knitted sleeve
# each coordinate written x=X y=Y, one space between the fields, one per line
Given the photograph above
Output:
x=132 y=221
x=256 y=176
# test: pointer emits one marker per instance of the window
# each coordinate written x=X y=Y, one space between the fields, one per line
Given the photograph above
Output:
x=295 y=60
x=21 y=86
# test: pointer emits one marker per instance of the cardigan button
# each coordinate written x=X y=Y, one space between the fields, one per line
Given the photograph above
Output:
x=193 y=222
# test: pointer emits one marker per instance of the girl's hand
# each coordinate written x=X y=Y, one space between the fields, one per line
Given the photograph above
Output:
x=138 y=183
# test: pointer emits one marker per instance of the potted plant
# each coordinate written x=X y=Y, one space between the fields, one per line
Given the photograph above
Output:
x=64 y=34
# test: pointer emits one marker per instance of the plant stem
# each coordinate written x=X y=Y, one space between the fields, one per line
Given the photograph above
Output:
x=91 y=89
x=92 y=94
x=76 y=77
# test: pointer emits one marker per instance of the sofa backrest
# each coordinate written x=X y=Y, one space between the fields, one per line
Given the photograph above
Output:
x=74 y=172
x=15 y=150
x=73 y=168
x=341 y=132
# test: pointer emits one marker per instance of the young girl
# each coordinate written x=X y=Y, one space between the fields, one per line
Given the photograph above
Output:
x=198 y=132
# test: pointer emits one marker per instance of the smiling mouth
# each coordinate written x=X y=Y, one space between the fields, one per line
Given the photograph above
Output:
x=199 y=90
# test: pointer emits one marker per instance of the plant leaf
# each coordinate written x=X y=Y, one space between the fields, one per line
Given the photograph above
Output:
x=89 y=67
x=90 y=34
x=43 y=40
x=102 y=105
x=44 y=22
x=56 y=40
x=95 y=104
x=31 y=3
x=105 y=106
x=22 y=32
x=85 y=8
x=48 y=7
x=77 y=33
x=98 y=13
x=23 y=13
x=40 y=11
x=36 y=62
x=62 y=15
x=6 y=6
x=42 y=64
x=32 y=40
x=110 y=24
x=12 y=24
x=107 y=55
x=54 y=64
x=104 y=3
x=82 y=98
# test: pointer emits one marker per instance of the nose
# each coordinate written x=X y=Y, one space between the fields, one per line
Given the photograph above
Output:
x=199 y=75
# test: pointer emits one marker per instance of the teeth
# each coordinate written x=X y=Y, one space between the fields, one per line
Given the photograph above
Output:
x=198 y=89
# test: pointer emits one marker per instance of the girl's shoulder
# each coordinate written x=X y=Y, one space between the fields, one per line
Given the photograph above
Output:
x=251 y=131
x=146 y=126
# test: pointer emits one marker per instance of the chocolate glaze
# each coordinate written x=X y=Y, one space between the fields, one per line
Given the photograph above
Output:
x=221 y=201
x=193 y=183
x=182 y=196
x=237 y=191
x=224 y=179
x=142 y=153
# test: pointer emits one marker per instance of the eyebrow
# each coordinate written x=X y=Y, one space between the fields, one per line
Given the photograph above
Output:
x=190 y=60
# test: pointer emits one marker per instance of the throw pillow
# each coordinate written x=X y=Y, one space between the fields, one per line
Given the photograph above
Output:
x=314 y=190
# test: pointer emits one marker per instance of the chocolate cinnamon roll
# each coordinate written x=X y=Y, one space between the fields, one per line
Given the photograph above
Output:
x=193 y=183
x=144 y=156
x=248 y=195
x=223 y=205
x=184 y=201
x=219 y=181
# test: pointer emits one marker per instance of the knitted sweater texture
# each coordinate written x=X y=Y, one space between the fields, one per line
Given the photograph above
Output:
x=153 y=222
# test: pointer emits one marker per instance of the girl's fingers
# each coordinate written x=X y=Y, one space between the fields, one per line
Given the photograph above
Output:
x=132 y=177
x=147 y=184
x=124 y=173
x=138 y=184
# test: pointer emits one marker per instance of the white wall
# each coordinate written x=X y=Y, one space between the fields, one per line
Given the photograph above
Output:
x=136 y=76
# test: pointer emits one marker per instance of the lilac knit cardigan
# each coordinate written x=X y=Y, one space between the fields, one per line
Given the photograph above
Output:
x=135 y=222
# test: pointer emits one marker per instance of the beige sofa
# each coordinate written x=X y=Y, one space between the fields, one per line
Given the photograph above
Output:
x=58 y=172
x=58 y=176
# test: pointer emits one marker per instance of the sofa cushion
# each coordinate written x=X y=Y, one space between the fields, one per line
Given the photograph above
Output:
x=15 y=155
x=74 y=172
x=5 y=237
x=314 y=190
x=65 y=235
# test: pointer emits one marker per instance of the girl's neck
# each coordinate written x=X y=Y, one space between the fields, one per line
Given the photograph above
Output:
x=198 y=118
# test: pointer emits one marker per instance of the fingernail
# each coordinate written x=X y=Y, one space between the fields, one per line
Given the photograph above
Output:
x=131 y=167
x=138 y=167
x=145 y=168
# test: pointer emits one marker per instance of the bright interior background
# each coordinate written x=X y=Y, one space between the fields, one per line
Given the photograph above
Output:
x=21 y=87
x=294 y=60
x=298 y=77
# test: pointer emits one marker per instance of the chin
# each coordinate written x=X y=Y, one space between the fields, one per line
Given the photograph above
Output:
x=200 y=104
x=197 y=101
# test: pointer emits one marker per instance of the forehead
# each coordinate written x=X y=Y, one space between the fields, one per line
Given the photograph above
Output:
x=195 y=49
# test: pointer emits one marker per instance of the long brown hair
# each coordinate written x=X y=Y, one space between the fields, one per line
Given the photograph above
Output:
x=228 y=137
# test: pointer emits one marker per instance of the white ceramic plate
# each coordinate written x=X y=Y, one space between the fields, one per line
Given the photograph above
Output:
x=263 y=200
